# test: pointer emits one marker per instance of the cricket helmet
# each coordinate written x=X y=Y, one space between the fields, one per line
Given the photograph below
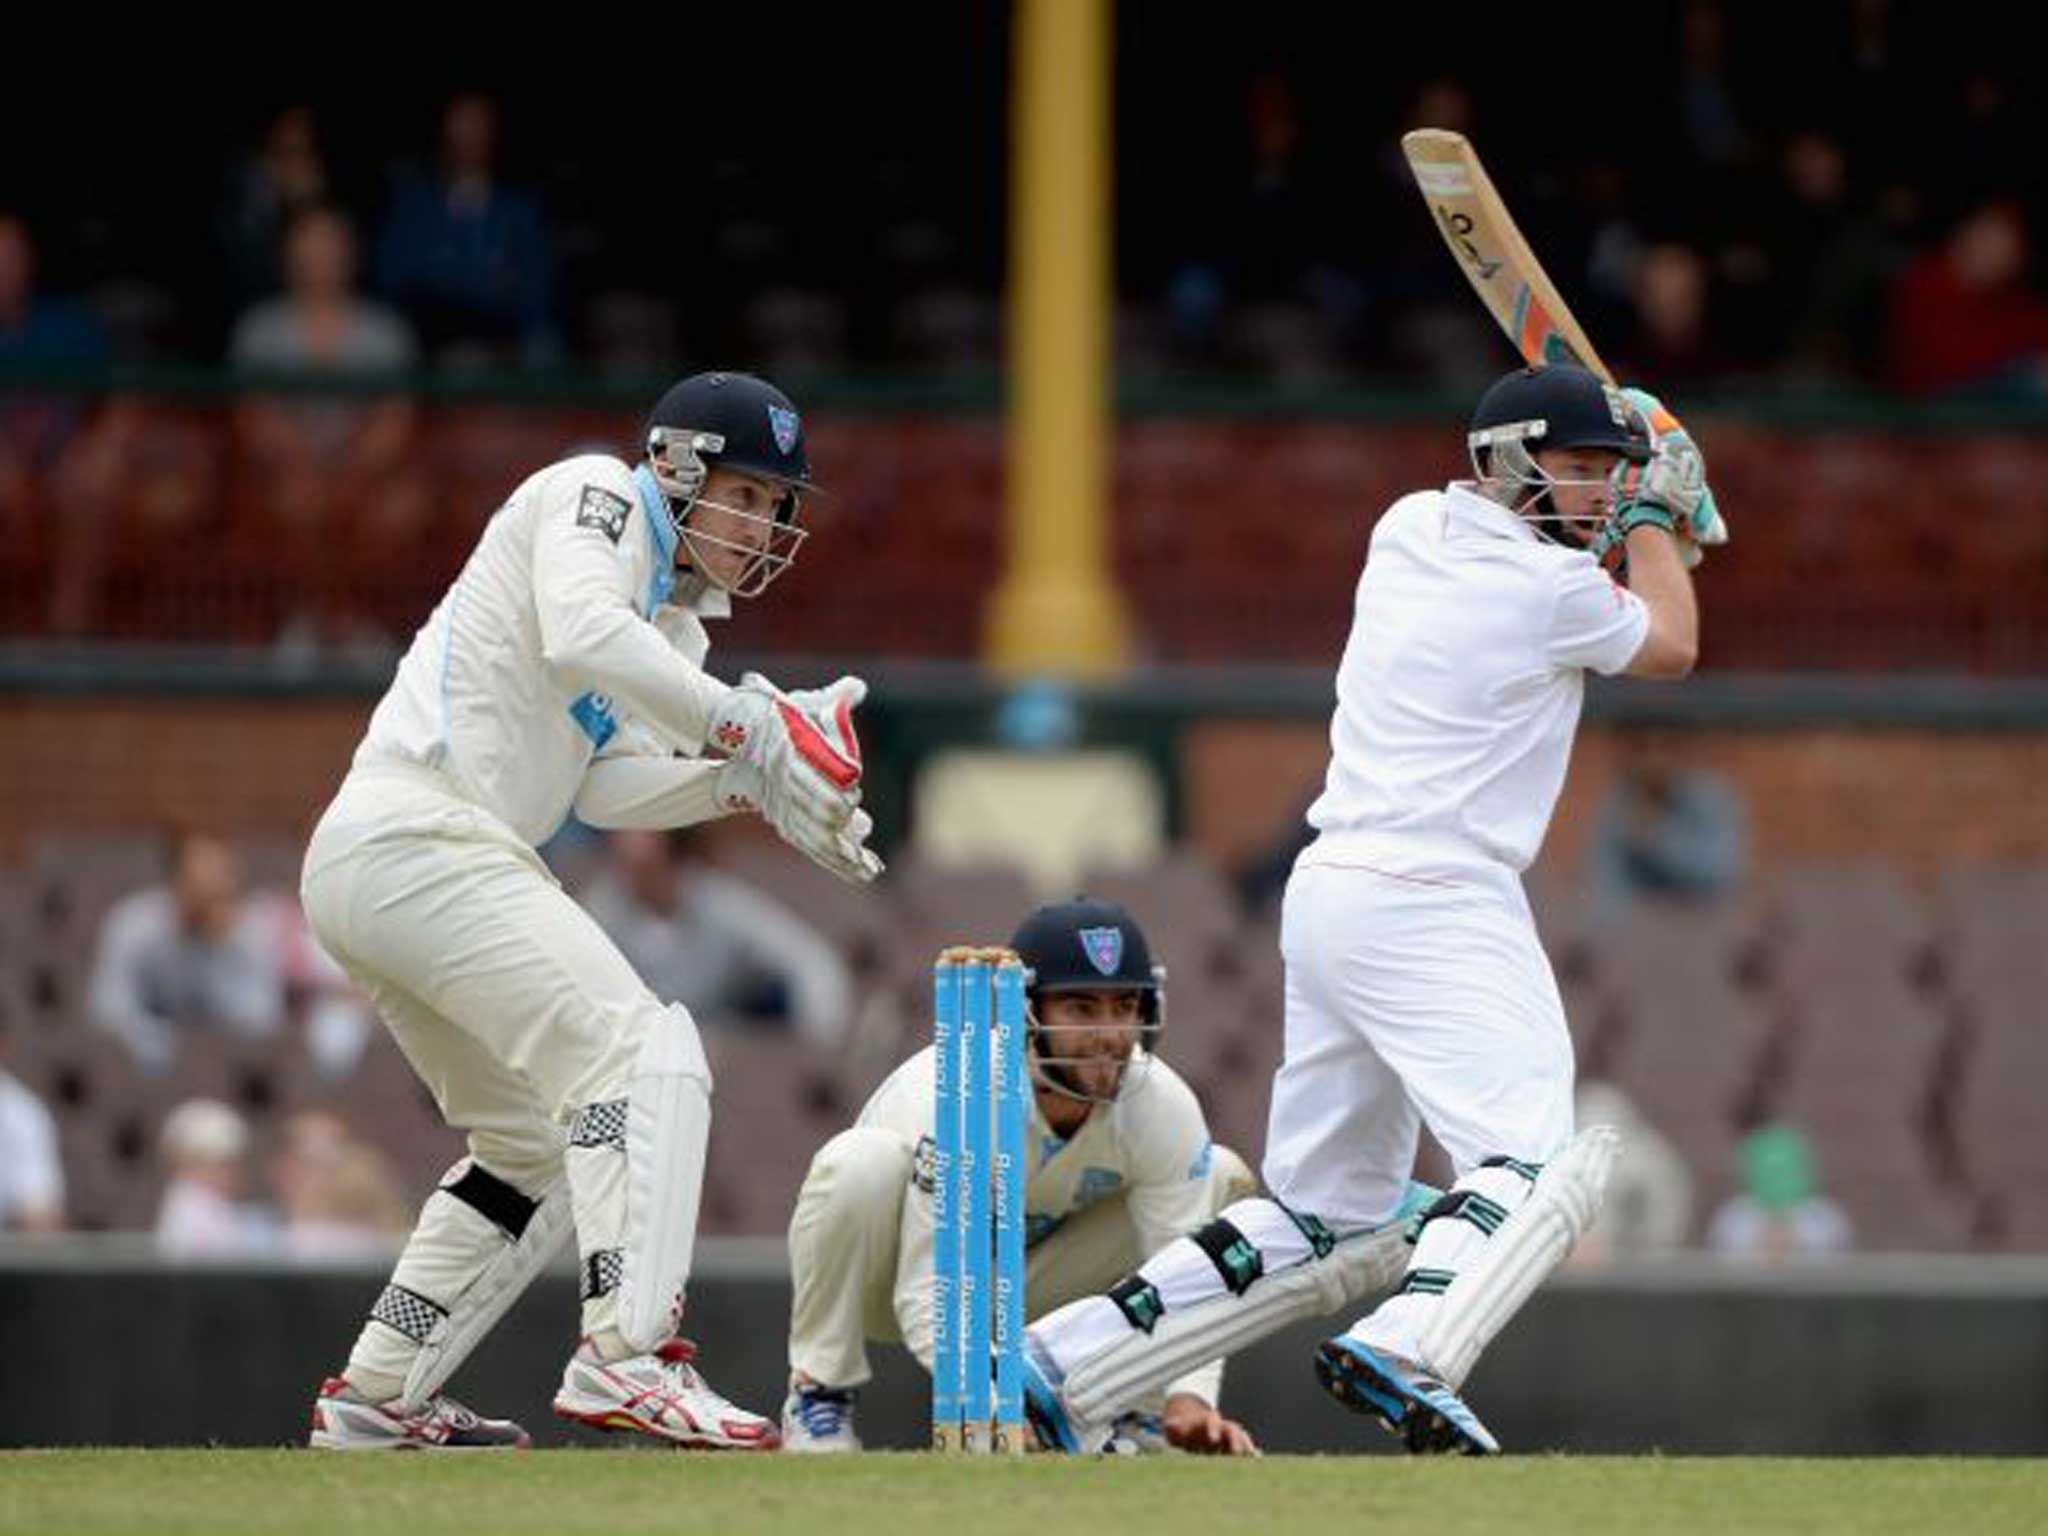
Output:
x=731 y=421
x=1534 y=409
x=1087 y=945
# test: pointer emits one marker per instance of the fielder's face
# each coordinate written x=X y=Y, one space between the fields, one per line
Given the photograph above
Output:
x=1090 y=1036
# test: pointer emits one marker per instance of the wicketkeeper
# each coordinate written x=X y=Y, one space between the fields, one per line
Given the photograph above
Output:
x=565 y=667
x=1121 y=1164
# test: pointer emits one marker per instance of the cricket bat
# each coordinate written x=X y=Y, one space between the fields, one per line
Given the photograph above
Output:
x=1502 y=269
x=1492 y=253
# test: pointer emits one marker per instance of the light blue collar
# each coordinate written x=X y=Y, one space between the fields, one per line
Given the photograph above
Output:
x=654 y=507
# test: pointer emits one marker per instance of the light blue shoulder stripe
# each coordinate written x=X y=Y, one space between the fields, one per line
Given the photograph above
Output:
x=654 y=509
x=446 y=741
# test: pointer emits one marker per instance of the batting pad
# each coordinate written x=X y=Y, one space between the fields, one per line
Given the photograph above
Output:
x=1521 y=1253
x=501 y=1267
x=1206 y=1298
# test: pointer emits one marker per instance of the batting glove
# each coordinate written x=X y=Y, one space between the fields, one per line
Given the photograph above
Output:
x=1702 y=524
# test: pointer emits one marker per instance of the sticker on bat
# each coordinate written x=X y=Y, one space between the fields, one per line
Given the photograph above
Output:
x=1459 y=226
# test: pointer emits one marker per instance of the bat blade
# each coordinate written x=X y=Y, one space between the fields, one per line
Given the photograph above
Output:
x=1492 y=254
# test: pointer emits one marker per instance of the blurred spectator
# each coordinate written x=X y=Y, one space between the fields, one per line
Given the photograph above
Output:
x=320 y=325
x=712 y=942
x=31 y=1173
x=1675 y=342
x=1666 y=829
x=1269 y=267
x=335 y=469
x=36 y=332
x=284 y=177
x=1423 y=317
x=1828 y=265
x=337 y=1196
x=1708 y=112
x=188 y=954
x=1780 y=1213
x=1963 y=315
x=469 y=258
x=1648 y=1209
x=204 y=1145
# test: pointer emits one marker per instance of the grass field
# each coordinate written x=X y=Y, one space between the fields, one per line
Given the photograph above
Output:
x=82 y=1493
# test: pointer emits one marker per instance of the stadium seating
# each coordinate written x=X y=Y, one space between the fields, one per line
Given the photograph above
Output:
x=1900 y=1032
x=1933 y=555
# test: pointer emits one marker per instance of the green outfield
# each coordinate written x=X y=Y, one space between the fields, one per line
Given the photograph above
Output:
x=82 y=1493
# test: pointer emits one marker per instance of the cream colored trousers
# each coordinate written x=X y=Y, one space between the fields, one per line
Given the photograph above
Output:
x=860 y=1251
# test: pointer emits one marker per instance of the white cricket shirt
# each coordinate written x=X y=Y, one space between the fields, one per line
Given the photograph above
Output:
x=1151 y=1147
x=555 y=672
x=1461 y=685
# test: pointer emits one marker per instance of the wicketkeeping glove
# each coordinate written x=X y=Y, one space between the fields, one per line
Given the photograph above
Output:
x=799 y=766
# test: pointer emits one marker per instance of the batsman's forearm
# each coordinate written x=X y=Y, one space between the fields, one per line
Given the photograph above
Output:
x=1657 y=575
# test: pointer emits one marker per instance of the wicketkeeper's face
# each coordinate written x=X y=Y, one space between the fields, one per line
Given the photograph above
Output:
x=741 y=532
x=1091 y=1036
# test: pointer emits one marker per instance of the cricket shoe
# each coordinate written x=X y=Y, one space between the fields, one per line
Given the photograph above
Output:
x=818 y=1422
x=345 y=1420
x=659 y=1394
x=1043 y=1409
x=1428 y=1416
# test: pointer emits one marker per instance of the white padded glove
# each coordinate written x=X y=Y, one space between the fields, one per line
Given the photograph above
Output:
x=801 y=770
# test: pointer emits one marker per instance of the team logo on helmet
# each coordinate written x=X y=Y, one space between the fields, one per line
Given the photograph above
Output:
x=785 y=424
x=1104 y=948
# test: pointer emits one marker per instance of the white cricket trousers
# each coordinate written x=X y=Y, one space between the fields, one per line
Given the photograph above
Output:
x=860 y=1252
x=1410 y=1000
x=506 y=997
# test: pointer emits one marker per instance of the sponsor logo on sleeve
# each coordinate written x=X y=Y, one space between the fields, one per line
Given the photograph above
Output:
x=603 y=510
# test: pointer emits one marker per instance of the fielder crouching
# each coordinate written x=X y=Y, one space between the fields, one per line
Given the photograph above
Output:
x=565 y=667
x=1121 y=1164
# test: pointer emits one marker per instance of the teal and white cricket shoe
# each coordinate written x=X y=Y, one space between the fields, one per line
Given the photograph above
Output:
x=1428 y=1416
x=1043 y=1408
x=817 y=1421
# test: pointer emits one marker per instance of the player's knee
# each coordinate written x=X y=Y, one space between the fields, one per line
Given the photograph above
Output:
x=864 y=1168
x=506 y=1203
x=526 y=1165
x=604 y=1053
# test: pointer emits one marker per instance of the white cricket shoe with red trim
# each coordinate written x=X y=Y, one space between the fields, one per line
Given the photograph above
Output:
x=345 y=1420
x=659 y=1394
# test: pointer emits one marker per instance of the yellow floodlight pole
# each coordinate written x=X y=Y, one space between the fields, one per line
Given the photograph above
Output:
x=1056 y=610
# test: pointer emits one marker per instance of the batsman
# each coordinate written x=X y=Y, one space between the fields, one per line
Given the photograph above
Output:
x=1416 y=988
x=1120 y=1164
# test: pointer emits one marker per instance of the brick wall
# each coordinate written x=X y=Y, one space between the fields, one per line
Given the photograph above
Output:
x=267 y=767
x=244 y=766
